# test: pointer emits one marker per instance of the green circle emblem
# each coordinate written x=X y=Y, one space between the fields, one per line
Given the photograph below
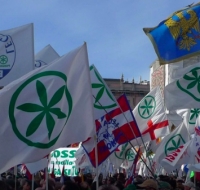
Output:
x=3 y=59
x=173 y=143
x=126 y=154
x=47 y=108
x=147 y=107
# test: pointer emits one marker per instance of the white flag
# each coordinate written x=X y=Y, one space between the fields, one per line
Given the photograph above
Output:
x=171 y=142
x=151 y=117
x=175 y=159
x=177 y=71
x=119 y=156
x=189 y=118
x=185 y=92
x=34 y=167
x=45 y=56
x=48 y=108
x=103 y=99
x=82 y=159
x=16 y=53
x=195 y=144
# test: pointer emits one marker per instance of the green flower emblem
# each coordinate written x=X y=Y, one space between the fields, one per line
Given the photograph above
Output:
x=194 y=113
x=147 y=107
x=173 y=143
x=45 y=109
x=195 y=80
x=44 y=112
x=130 y=155
x=3 y=59
x=190 y=83
x=101 y=92
x=125 y=153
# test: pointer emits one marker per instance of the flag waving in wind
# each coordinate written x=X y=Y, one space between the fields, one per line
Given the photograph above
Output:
x=184 y=92
x=103 y=99
x=114 y=128
x=177 y=37
x=45 y=110
x=151 y=117
x=16 y=53
x=45 y=56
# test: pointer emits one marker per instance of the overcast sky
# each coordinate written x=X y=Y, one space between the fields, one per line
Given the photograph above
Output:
x=112 y=29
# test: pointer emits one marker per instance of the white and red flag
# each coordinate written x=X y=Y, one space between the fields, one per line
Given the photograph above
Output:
x=114 y=128
x=133 y=169
x=151 y=117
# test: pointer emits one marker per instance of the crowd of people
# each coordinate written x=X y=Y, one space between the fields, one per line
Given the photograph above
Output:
x=88 y=182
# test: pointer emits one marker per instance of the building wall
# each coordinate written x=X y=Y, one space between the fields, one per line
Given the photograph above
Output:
x=134 y=91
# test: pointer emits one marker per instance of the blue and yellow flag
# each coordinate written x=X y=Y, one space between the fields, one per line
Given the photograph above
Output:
x=177 y=37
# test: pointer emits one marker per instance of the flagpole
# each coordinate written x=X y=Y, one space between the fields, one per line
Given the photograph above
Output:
x=15 y=182
x=47 y=178
x=96 y=160
x=46 y=173
x=33 y=181
x=15 y=174
x=134 y=133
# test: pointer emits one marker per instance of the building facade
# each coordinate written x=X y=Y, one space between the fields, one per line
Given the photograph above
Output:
x=134 y=91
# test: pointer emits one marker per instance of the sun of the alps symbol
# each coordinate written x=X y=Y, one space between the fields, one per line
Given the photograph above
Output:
x=190 y=83
x=147 y=107
x=3 y=59
x=173 y=143
x=46 y=110
x=7 y=54
x=194 y=113
x=102 y=91
x=125 y=153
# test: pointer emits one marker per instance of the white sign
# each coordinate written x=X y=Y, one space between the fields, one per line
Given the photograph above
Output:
x=63 y=157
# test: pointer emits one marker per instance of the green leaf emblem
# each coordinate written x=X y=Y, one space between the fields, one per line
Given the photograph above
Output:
x=147 y=107
x=194 y=113
x=101 y=91
x=190 y=83
x=47 y=110
x=173 y=144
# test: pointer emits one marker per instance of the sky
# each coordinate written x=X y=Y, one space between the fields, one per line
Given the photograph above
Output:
x=112 y=29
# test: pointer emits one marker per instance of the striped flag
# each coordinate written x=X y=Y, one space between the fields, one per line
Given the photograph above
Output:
x=113 y=129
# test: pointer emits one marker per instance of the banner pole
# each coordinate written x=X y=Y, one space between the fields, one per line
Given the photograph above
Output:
x=96 y=160
x=33 y=181
x=47 y=178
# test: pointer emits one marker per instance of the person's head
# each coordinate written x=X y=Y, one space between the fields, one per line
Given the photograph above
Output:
x=179 y=183
x=69 y=185
x=27 y=185
x=188 y=185
x=110 y=181
x=149 y=184
x=107 y=187
x=3 y=185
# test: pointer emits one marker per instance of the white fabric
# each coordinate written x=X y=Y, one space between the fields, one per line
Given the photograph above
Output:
x=17 y=44
x=68 y=91
x=157 y=116
x=107 y=101
x=183 y=93
x=180 y=137
x=45 y=56
x=37 y=166
x=175 y=159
